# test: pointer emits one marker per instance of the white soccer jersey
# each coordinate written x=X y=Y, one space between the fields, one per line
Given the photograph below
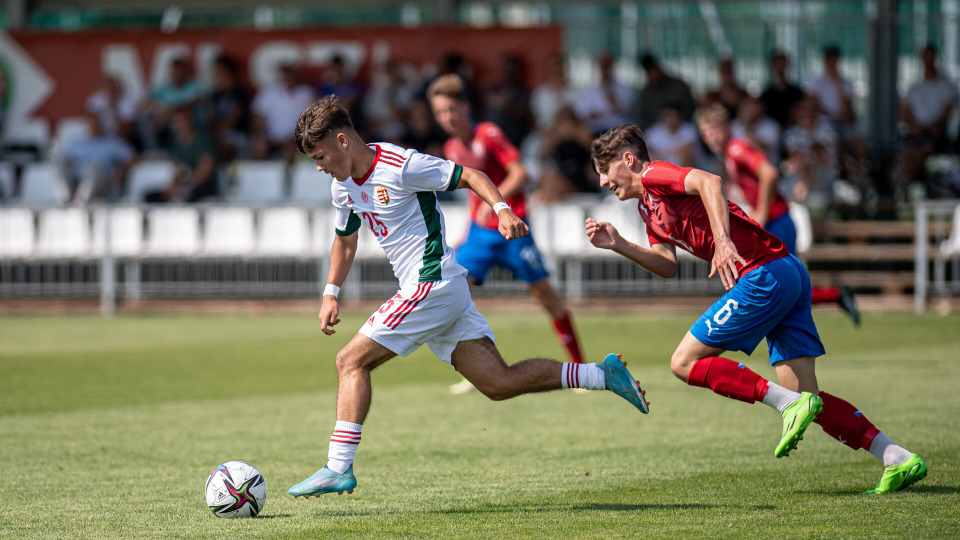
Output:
x=396 y=200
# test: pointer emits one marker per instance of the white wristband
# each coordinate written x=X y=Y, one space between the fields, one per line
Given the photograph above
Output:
x=331 y=290
x=500 y=206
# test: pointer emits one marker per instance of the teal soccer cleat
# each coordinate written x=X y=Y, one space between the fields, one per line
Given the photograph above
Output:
x=619 y=381
x=325 y=481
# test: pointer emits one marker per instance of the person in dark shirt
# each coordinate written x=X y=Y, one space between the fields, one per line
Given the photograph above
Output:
x=230 y=110
x=780 y=96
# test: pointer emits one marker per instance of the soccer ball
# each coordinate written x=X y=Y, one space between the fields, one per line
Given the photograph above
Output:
x=236 y=489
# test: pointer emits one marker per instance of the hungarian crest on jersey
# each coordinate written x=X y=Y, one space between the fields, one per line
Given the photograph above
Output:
x=383 y=196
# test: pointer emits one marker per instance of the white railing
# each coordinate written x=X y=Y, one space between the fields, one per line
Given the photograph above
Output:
x=942 y=257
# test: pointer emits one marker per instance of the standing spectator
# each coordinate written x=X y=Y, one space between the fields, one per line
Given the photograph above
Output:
x=276 y=109
x=609 y=102
x=507 y=102
x=781 y=95
x=673 y=139
x=925 y=111
x=551 y=95
x=811 y=149
x=834 y=95
x=662 y=88
x=230 y=108
x=566 y=149
x=116 y=108
x=181 y=90
x=193 y=151
x=752 y=124
x=97 y=163
x=387 y=100
x=729 y=93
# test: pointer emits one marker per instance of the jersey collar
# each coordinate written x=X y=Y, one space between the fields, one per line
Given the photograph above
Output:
x=361 y=181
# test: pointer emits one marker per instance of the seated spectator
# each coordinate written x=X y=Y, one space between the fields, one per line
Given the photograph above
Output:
x=116 y=108
x=834 y=99
x=386 y=102
x=230 y=111
x=98 y=163
x=662 y=88
x=507 y=102
x=781 y=95
x=337 y=81
x=421 y=132
x=925 y=111
x=551 y=95
x=193 y=151
x=608 y=103
x=276 y=109
x=566 y=148
x=673 y=139
x=179 y=91
x=752 y=124
x=729 y=93
x=811 y=156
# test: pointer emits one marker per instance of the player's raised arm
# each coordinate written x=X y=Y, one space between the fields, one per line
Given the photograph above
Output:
x=510 y=225
x=341 y=259
x=725 y=255
x=660 y=259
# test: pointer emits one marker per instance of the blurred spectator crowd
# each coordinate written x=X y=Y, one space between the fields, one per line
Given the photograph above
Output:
x=808 y=129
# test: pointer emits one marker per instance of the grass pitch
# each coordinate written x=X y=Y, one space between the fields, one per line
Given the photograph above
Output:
x=109 y=428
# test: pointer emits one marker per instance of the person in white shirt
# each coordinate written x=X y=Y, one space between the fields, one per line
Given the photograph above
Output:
x=673 y=139
x=834 y=98
x=276 y=109
x=925 y=111
x=753 y=124
x=391 y=190
x=608 y=103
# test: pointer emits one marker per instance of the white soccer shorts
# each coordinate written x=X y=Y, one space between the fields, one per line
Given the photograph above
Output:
x=439 y=314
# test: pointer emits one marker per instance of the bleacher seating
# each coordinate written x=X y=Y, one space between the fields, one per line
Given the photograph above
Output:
x=258 y=182
x=7 y=180
x=43 y=183
x=63 y=232
x=228 y=232
x=17 y=233
x=309 y=186
x=173 y=232
x=126 y=231
x=147 y=176
x=283 y=232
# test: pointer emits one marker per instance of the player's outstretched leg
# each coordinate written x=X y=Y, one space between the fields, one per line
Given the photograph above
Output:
x=845 y=423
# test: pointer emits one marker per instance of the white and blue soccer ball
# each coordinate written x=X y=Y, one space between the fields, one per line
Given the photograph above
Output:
x=236 y=489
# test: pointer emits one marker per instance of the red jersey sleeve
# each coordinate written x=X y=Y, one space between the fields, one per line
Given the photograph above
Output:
x=496 y=141
x=745 y=155
x=664 y=178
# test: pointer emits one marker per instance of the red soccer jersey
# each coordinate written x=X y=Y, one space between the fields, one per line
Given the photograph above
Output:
x=671 y=215
x=743 y=161
x=488 y=151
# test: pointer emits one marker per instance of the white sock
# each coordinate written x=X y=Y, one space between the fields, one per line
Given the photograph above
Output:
x=779 y=397
x=887 y=451
x=343 y=446
x=588 y=376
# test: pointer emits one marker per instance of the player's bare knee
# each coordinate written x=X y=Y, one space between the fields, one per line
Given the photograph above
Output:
x=680 y=365
x=347 y=361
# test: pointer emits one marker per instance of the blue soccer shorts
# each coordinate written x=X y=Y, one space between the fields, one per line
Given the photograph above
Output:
x=485 y=247
x=771 y=301
x=785 y=229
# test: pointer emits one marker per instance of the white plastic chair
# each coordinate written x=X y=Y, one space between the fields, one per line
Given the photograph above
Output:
x=16 y=232
x=625 y=217
x=322 y=232
x=283 y=232
x=126 y=231
x=801 y=220
x=173 y=232
x=258 y=182
x=951 y=246
x=43 y=183
x=307 y=185
x=456 y=223
x=228 y=232
x=148 y=176
x=69 y=129
x=63 y=232
x=34 y=132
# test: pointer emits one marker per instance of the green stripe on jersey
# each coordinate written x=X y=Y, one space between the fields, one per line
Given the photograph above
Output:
x=455 y=178
x=433 y=250
x=353 y=223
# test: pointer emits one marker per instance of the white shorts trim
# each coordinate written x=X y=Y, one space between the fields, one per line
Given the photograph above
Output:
x=438 y=314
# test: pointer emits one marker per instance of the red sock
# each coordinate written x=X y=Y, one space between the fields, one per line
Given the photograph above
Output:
x=728 y=378
x=824 y=295
x=568 y=337
x=844 y=422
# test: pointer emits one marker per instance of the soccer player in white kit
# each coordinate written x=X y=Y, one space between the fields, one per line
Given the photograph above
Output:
x=391 y=190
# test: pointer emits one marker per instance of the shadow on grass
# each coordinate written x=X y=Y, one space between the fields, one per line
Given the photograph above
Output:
x=861 y=492
x=273 y=516
x=521 y=508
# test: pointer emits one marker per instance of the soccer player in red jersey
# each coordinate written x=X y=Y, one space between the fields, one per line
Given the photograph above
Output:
x=749 y=169
x=484 y=147
x=768 y=296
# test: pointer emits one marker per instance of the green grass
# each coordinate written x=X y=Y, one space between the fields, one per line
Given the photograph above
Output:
x=109 y=428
